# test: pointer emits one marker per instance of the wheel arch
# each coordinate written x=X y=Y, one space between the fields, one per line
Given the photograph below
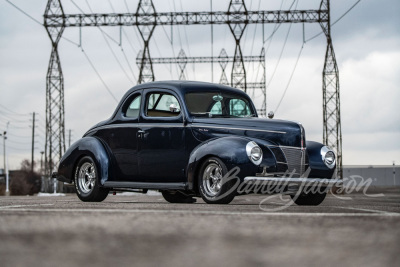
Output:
x=318 y=168
x=87 y=146
x=231 y=150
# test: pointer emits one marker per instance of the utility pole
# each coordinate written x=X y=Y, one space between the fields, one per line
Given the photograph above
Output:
x=212 y=48
x=5 y=161
x=41 y=162
x=69 y=137
x=4 y=149
x=43 y=182
x=33 y=141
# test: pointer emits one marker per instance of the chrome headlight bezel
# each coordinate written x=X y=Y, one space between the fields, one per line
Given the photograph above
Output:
x=328 y=157
x=254 y=152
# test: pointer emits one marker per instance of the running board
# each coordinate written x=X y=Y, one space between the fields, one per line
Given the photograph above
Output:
x=139 y=185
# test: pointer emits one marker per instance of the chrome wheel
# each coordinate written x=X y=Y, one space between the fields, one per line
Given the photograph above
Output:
x=86 y=177
x=212 y=179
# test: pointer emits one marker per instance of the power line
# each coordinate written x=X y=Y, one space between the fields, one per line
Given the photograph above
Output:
x=12 y=113
x=280 y=56
x=336 y=21
x=77 y=6
x=254 y=37
x=276 y=27
x=18 y=136
x=290 y=79
x=35 y=20
x=187 y=42
x=120 y=45
x=26 y=14
x=116 y=58
x=111 y=5
x=109 y=46
x=98 y=75
x=8 y=118
x=90 y=62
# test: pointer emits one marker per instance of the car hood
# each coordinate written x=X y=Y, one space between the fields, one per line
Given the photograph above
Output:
x=279 y=132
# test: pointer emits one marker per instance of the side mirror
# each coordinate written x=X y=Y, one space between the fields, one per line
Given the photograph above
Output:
x=271 y=114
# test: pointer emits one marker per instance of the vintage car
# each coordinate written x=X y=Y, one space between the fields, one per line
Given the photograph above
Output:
x=195 y=139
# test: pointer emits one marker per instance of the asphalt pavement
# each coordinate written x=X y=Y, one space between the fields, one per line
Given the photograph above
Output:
x=144 y=230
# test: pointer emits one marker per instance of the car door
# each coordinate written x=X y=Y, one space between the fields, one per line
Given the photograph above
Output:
x=121 y=138
x=162 y=154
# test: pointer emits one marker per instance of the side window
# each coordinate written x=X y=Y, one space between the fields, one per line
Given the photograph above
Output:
x=216 y=109
x=162 y=105
x=133 y=108
x=238 y=107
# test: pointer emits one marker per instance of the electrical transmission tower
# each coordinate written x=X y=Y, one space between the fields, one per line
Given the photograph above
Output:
x=331 y=94
x=55 y=131
x=237 y=17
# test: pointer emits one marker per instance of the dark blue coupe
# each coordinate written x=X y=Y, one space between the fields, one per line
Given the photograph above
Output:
x=194 y=139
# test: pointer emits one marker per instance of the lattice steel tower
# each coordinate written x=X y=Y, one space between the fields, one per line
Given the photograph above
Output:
x=55 y=130
x=332 y=135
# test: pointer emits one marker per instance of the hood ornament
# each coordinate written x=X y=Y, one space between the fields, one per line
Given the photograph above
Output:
x=271 y=114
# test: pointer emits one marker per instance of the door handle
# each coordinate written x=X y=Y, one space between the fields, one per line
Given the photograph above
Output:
x=140 y=133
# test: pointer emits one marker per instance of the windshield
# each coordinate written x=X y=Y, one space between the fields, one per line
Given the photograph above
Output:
x=218 y=104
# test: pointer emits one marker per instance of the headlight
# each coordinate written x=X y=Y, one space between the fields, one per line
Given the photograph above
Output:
x=254 y=152
x=328 y=157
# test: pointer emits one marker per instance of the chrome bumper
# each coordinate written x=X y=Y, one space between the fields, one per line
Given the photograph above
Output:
x=298 y=182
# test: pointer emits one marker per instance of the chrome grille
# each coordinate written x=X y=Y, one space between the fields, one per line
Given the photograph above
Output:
x=295 y=159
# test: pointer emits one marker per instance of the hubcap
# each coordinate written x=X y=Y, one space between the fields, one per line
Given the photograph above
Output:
x=86 y=177
x=212 y=179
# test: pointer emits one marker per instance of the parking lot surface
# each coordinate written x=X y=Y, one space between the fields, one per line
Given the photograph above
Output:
x=144 y=230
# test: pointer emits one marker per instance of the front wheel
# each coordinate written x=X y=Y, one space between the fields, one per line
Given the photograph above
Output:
x=213 y=186
x=87 y=181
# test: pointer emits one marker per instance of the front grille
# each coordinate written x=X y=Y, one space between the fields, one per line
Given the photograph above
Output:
x=280 y=157
x=295 y=159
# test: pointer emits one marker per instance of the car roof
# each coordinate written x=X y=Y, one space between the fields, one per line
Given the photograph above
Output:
x=183 y=87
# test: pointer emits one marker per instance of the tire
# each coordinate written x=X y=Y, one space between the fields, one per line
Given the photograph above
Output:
x=177 y=197
x=311 y=199
x=211 y=186
x=87 y=181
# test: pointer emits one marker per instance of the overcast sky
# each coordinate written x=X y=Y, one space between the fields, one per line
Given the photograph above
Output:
x=366 y=43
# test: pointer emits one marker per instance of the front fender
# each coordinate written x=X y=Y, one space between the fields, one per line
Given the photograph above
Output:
x=87 y=146
x=231 y=150
x=317 y=166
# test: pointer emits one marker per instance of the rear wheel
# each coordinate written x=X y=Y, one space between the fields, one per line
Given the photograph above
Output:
x=177 y=197
x=212 y=187
x=87 y=181
x=310 y=199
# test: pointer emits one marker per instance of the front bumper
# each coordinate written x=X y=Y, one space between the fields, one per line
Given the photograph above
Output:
x=294 y=182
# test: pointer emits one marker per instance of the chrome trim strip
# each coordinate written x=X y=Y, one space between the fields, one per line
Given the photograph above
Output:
x=290 y=147
x=137 y=125
x=231 y=128
x=177 y=125
x=294 y=181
